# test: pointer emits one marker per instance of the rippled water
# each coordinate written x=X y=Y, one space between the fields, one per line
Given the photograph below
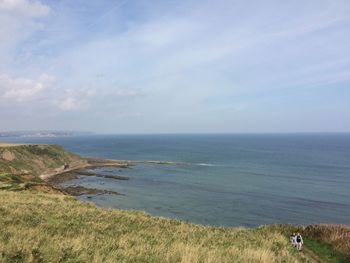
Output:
x=225 y=180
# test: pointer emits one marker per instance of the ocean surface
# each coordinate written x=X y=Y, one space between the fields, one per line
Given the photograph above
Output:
x=224 y=180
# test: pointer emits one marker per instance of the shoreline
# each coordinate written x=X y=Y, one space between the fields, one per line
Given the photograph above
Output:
x=80 y=168
x=45 y=167
x=89 y=162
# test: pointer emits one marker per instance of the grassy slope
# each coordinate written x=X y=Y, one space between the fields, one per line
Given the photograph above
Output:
x=57 y=228
x=34 y=159
x=329 y=243
x=325 y=251
x=21 y=165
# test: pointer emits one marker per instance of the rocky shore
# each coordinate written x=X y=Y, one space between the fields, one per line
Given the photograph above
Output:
x=87 y=168
x=45 y=168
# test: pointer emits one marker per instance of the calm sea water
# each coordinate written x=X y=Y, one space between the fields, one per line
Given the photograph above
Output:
x=228 y=180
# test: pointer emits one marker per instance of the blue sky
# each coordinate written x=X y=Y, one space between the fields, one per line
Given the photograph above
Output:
x=175 y=66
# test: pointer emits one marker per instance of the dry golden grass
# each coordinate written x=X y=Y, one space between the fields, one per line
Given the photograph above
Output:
x=57 y=228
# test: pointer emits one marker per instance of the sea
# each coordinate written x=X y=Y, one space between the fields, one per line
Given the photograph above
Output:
x=222 y=179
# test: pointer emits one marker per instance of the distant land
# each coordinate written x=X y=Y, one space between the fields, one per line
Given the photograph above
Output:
x=43 y=133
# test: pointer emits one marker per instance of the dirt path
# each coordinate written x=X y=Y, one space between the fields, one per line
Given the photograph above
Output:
x=309 y=254
x=81 y=164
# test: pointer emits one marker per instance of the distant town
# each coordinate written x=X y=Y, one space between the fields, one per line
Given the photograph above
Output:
x=41 y=133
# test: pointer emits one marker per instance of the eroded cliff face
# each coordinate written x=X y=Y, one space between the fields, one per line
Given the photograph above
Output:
x=8 y=155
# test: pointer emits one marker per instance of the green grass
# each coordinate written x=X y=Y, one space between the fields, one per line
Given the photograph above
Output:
x=11 y=182
x=329 y=242
x=325 y=251
x=12 y=187
x=7 y=177
x=34 y=159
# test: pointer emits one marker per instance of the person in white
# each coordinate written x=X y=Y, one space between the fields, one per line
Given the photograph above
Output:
x=299 y=241
x=293 y=240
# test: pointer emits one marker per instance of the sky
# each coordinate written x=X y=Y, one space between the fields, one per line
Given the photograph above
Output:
x=168 y=66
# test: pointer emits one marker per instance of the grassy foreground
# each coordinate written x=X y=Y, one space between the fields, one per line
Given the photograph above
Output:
x=57 y=228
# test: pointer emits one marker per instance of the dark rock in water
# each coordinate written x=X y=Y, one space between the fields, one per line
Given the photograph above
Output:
x=116 y=177
x=81 y=190
x=91 y=173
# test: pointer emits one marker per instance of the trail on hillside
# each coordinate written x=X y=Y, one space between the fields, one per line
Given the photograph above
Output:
x=76 y=165
x=311 y=255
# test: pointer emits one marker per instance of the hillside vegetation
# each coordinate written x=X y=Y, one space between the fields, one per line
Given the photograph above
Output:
x=34 y=159
x=57 y=228
x=22 y=166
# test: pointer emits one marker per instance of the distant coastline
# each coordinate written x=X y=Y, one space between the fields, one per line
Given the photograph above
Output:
x=41 y=134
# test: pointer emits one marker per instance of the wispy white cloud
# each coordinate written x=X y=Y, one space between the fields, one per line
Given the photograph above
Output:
x=24 y=8
x=95 y=98
x=23 y=89
x=70 y=104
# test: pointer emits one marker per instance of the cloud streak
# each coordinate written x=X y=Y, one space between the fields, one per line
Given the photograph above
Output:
x=23 y=89
x=24 y=8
